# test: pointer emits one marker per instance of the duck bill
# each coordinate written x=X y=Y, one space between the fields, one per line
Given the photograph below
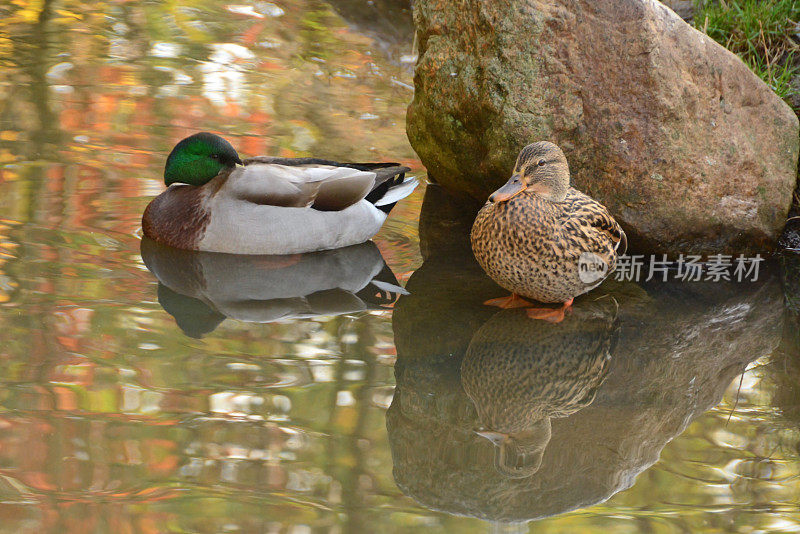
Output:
x=513 y=187
x=495 y=437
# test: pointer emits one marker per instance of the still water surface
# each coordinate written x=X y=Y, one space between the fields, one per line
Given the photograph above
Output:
x=210 y=393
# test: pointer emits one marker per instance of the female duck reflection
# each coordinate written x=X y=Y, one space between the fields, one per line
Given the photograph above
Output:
x=521 y=373
x=201 y=289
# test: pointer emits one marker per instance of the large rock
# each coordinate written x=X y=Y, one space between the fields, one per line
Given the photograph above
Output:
x=689 y=149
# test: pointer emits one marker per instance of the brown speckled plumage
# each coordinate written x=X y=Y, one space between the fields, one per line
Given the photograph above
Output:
x=531 y=243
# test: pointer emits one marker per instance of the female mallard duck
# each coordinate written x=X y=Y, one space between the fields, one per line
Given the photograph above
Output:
x=542 y=239
x=266 y=205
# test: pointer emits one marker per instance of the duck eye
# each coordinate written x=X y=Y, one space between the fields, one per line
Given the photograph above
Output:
x=214 y=156
x=541 y=163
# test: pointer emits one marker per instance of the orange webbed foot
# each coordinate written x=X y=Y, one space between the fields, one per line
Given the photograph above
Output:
x=511 y=301
x=551 y=315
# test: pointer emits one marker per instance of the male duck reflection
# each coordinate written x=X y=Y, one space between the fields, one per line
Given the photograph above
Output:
x=542 y=239
x=200 y=289
x=265 y=205
x=520 y=374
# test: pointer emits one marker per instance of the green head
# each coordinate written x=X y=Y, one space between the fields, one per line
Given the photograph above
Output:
x=199 y=158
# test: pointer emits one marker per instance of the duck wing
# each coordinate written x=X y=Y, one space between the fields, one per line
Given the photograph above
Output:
x=327 y=185
x=589 y=221
x=300 y=186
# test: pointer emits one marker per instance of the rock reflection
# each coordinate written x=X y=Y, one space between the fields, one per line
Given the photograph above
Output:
x=201 y=289
x=388 y=22
x=584 y=410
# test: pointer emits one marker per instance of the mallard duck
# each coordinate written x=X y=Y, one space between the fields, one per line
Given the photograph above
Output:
x=542 y=239
x=267 y=205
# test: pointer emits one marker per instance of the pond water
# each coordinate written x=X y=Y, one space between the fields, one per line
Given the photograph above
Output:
x=306 y=393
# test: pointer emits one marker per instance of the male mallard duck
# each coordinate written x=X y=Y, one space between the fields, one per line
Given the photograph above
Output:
x=542 y=239
x=267 y=205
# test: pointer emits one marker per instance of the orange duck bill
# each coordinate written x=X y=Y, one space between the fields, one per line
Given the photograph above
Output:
x=513 y=187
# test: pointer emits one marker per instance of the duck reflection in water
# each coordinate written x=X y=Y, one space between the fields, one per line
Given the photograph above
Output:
x=521 y=373
x=463 y=367
x=201 y=289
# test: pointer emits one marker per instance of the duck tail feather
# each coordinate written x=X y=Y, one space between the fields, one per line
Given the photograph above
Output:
x=622 y=244
x=382 y=290
x=387 y=194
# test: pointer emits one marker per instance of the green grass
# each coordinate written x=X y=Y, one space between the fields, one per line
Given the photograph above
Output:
x=761 y=32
